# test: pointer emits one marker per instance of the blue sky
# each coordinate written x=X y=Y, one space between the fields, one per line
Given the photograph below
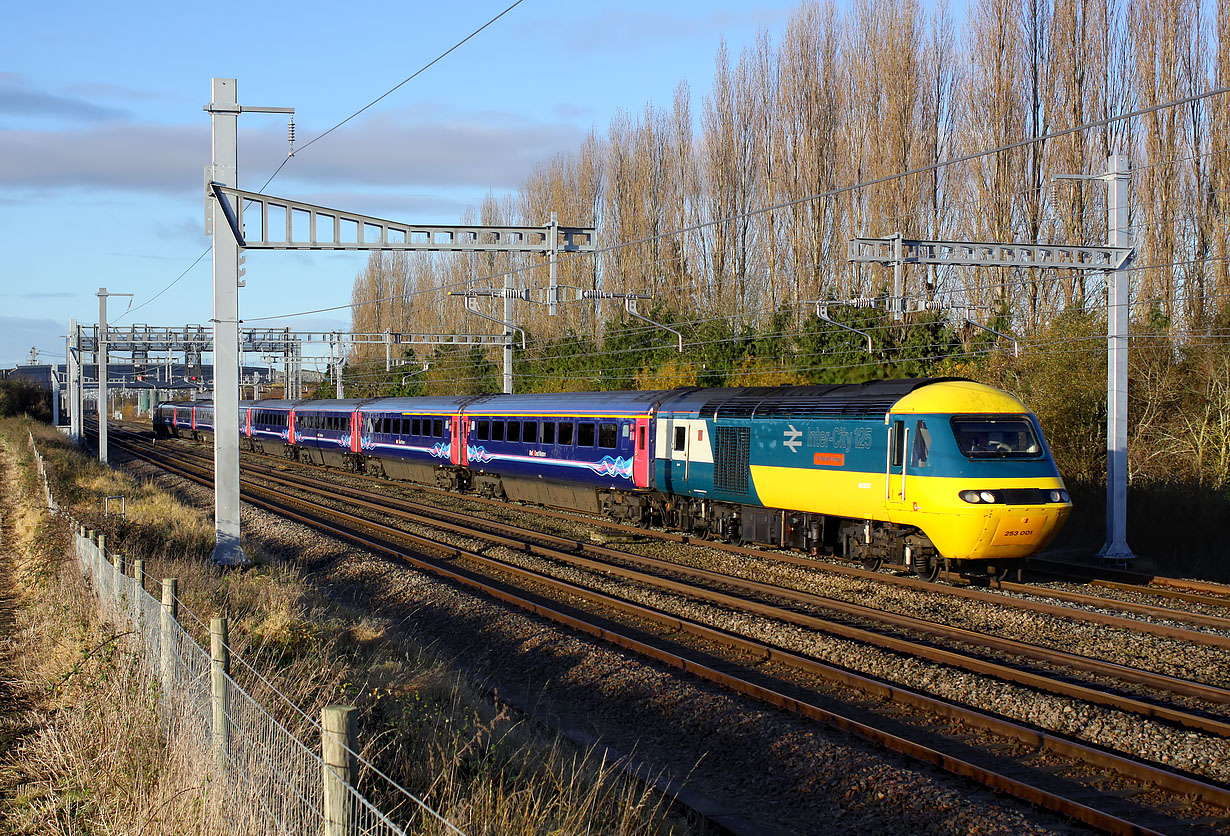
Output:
x=103 y=140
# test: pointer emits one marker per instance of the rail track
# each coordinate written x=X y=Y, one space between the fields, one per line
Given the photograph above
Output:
x=868 y=707
x=1159 y=620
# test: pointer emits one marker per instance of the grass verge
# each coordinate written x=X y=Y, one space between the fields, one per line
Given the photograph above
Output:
x=99 y=762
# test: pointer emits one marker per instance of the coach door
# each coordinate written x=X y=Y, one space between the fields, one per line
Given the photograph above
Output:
x=679 y=440
x=640 y=455
x=895 y=467
x=456 y=444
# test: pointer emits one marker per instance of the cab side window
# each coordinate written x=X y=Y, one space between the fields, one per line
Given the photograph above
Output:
x=920 y=448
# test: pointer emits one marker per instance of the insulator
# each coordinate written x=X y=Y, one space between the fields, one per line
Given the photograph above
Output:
x=290 y=134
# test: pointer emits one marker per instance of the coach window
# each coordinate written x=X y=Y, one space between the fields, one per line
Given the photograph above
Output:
x=585 y=435
x=641 y=444
x=415 y=426
x=548 y=432
x=513 y=433
x=437 y=428
x=483 y=430
x=497 y=430
x=681 y=437
x=921 y=446
x=565 y=432
x=529 y=432
x=608 y=435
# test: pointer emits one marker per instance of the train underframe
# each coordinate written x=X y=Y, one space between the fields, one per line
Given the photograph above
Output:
x=873 y=543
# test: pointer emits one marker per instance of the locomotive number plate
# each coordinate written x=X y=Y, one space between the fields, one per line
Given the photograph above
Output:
x=1013 y=530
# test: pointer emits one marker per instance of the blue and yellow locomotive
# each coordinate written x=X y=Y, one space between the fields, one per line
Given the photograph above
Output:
x=919 y=473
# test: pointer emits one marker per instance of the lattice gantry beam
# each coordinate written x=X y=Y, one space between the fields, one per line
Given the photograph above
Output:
x=198 y=338
x=987 y=254
x=275 y=223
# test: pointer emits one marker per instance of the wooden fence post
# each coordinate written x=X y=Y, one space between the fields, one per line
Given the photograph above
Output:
x=340 y=770
x=99 y=586
x=220 y=655
x=91 y=555
x=170 y=617
x=138 y=600
x=119 y=580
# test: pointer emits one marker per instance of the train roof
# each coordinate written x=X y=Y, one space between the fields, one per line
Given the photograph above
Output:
x=605 y=403
x=347 y=405
x=423 y=404
x=874 y=398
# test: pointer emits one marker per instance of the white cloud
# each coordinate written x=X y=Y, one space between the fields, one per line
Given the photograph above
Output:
x=428 y=149
x=20 y=99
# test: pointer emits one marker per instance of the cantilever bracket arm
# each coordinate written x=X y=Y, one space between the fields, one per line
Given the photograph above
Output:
x=496 y=320
x=630 y=307
x=229 y=211
x=822 y=311
x=1016 y=346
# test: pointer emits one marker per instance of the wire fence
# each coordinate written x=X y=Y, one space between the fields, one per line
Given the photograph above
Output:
x=261 y=777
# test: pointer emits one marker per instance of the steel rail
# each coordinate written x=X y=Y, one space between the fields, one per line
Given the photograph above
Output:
x=1146 y=610
x=1153 y=628
x=1219 y=593
x=462 y=523
x=1038 y=740
x=996 y=780
x=1050 y=566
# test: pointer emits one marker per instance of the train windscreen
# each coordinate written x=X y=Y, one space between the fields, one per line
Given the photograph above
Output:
x=996 y=437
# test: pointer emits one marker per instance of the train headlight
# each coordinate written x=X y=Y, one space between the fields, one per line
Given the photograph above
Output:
x=987 y=496
x=1059 y=496
x=970 y=496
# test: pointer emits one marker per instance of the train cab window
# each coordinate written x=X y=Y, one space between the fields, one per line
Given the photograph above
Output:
x=585 y=435
x=437 y=428
x=415 y=427
x=513 y=433
x=565 y=432
x=996 y=437
x=548 y=432
x=681 y=438
x=497 y=430
x=529 y=432
x=483 y=430
x=608 y=435
x=920 y=448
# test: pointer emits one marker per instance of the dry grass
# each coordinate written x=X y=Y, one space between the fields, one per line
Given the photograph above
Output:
x=93 y=757
x=101 y=763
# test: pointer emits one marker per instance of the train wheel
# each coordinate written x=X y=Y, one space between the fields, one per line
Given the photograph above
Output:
x=932 y=573
x=873 y=564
